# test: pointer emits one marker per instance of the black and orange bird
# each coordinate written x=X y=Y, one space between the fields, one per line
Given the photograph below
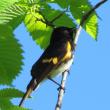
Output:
x=56 y=58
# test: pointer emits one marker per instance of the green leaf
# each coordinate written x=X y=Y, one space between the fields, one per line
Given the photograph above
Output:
x=64 y=20
x=17 y=108
x=6 y=3
x=10 y=93
x=39 y=31
x=10 y=56
x=6 y=104
x=12 y=15
x=62 y=3
x=5 y=99
x=78 y=8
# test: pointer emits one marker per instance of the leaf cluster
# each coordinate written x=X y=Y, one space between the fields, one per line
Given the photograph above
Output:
x=37 y=15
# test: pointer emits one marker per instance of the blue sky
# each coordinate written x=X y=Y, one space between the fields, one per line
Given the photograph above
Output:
x=88 y=85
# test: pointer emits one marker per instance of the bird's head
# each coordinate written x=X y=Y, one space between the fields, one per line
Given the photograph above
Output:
x=60 y=33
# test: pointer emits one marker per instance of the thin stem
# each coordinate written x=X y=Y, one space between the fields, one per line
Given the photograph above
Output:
x=85 y=17
x=61 y=91
x=65 y=74
x=57 y=17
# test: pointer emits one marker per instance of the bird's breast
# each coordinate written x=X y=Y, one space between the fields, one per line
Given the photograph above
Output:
x=61 y=68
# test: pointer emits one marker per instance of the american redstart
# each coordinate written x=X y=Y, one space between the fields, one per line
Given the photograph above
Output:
x=56 y=58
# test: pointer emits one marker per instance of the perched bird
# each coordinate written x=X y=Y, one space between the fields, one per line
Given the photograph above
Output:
x=56 y=58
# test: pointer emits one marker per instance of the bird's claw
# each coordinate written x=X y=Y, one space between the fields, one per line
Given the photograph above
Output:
x=61 y=88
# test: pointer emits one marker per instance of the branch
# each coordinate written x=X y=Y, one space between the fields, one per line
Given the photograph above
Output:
x=85 y=17
x=50 y=23
x=57 y=17
x=61 y=91
x=65 y=74
x=45 y=21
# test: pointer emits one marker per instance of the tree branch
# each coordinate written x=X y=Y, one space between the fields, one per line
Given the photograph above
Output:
x=61 y=91
x=65 y=74
x=49 y=23
x=57 y=17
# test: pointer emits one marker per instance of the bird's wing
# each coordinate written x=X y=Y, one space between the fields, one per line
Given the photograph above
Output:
x=49 y=60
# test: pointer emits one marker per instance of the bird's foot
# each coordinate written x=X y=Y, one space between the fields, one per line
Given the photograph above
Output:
x=61 y=88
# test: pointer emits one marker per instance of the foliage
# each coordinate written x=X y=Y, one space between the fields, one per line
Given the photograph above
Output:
x=10 y=56
x=78 y=8
x=33 y=13
x=6 y=95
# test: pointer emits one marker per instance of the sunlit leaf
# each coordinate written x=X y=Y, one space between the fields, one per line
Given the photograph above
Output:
x=63 y=20
x=12 y=15
x=6 y=3
x=39 y=31
x=78 y=9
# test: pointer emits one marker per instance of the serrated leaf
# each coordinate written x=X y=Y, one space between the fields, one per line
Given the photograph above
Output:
x=6 y=3
x=38 y=30
x=12 y=15
x=91 y=26
x=78 y=8
x=10 y=56
x=28 y=2
x=10 y=93
x=5 y=104
x=61 y=3
x=64 y=20
x=17 y=108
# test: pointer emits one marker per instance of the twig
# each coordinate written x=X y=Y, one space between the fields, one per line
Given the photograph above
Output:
x=49 y=23
x=57 y=17
x=85 y=17
x=65 y=74
x=61 y=91
x=44 y=21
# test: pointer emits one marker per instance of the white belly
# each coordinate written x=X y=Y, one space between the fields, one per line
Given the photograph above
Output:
x=62 y=68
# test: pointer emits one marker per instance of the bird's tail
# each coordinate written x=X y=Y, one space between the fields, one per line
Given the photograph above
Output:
x=31 y=86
